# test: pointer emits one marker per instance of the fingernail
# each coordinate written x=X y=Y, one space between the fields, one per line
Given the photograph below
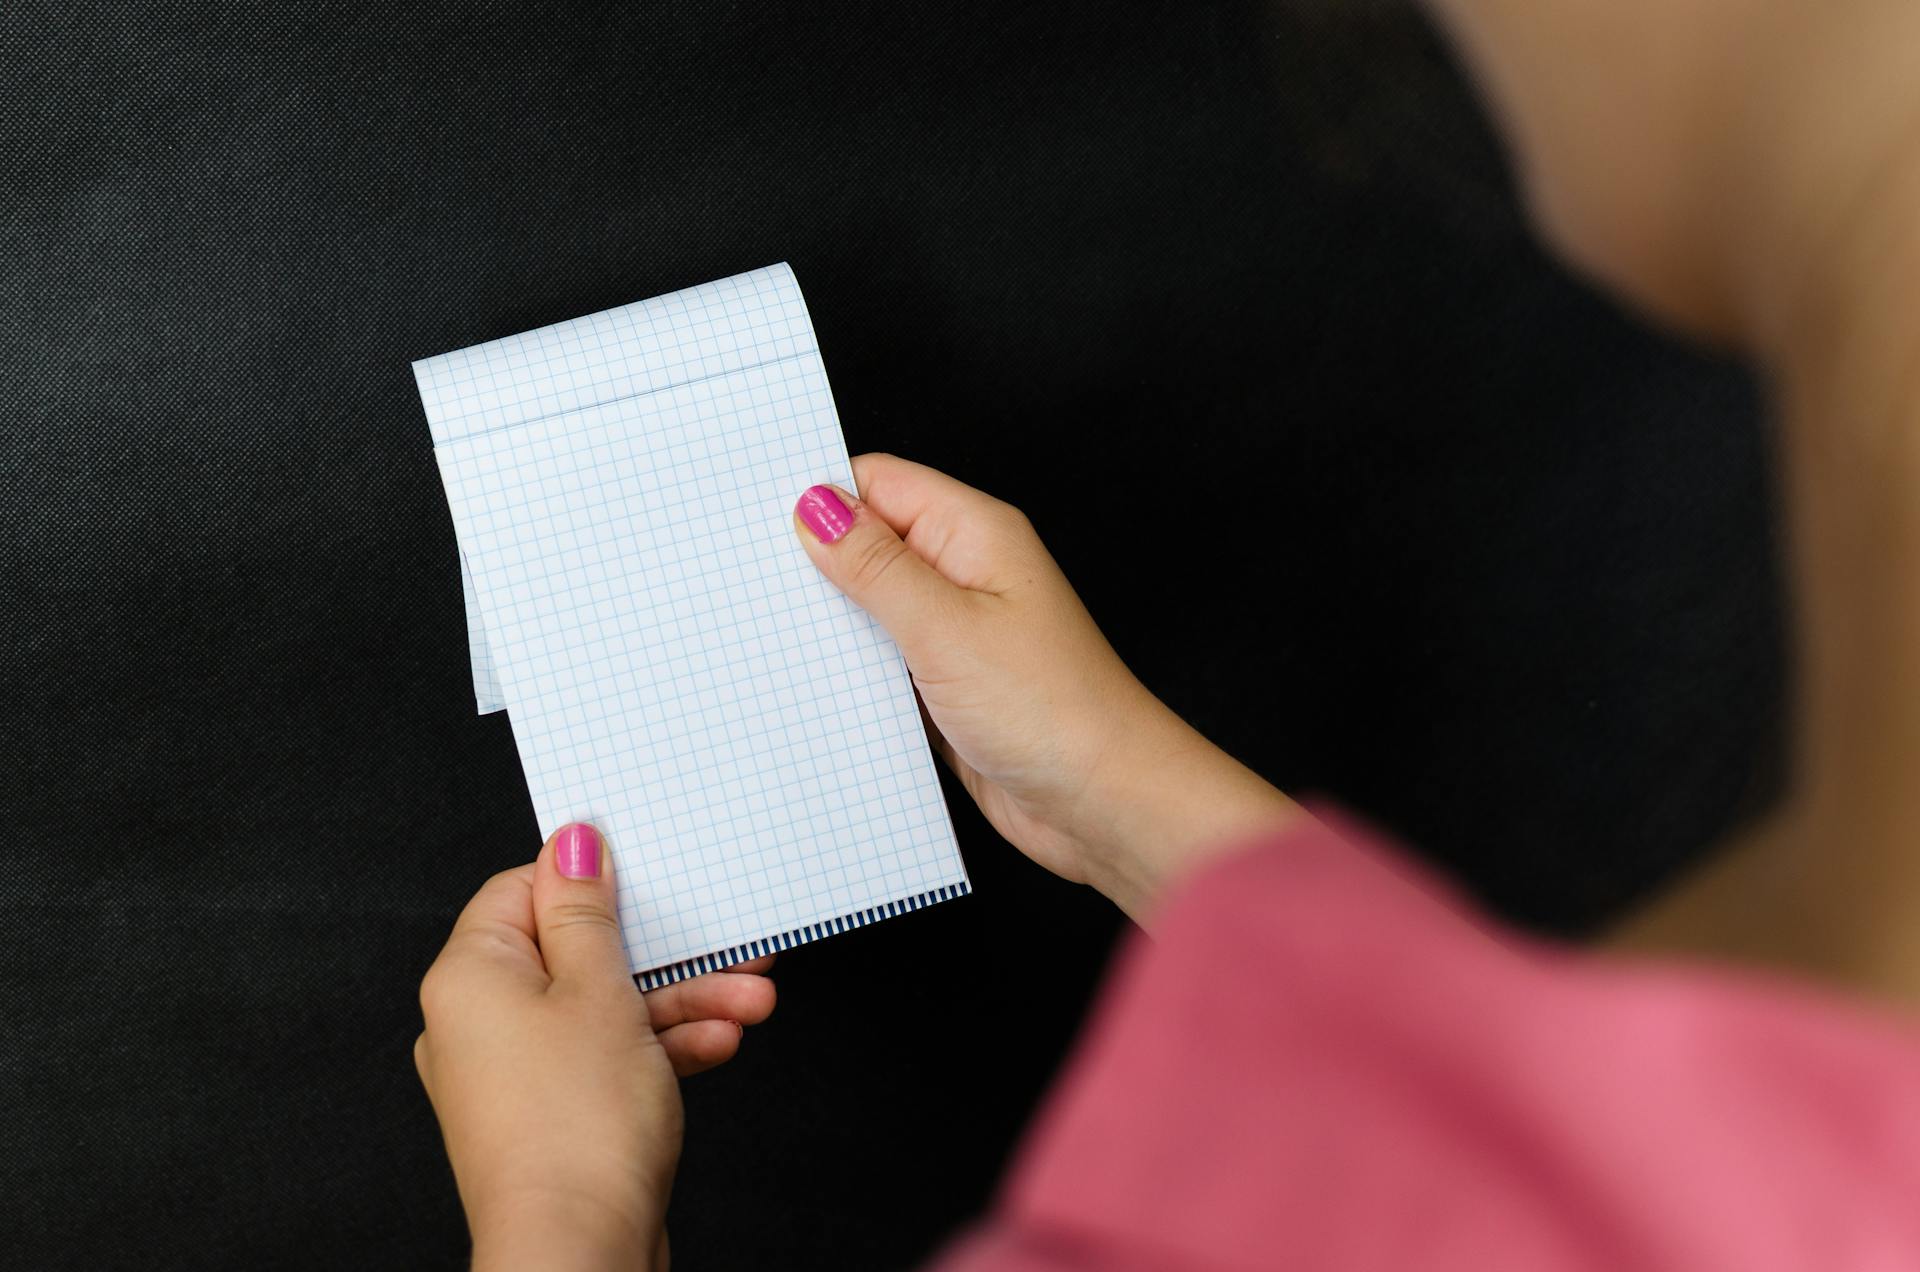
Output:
x=576 y=851
x=738 y=1028
x=825 y=513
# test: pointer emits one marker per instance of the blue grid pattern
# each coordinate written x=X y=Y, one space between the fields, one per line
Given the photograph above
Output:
x=674 y=668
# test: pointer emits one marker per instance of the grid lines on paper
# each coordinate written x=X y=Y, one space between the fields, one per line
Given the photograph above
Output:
x=677 y=671
x=724 y=325
x=487 y=694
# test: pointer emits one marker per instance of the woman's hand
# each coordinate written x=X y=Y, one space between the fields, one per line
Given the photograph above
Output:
x=553 y=1078
x=1064 y=750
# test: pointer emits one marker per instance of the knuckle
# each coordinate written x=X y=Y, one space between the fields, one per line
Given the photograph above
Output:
x=434 y=991
x=1017 y=526
x=873 y=559
x=872 y=466
x=663 y=1010
x=579 y=914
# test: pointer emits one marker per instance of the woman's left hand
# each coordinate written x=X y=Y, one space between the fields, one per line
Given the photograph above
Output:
x=553 y=1079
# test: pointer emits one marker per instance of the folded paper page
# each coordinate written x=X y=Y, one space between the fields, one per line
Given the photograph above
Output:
x=486 y=681
x=674 y=669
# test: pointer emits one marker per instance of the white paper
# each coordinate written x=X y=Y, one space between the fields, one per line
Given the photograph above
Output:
x=674 y=668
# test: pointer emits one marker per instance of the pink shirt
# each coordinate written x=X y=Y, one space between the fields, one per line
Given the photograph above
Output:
x=1323 y=1063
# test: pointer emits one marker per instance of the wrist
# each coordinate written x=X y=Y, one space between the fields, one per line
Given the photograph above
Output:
x=1164 y=803
x=563 y=1231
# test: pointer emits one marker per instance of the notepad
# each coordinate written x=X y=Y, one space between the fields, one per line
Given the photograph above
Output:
x=674 y=668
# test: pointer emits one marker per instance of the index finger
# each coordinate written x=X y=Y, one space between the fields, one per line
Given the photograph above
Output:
x=963 y=533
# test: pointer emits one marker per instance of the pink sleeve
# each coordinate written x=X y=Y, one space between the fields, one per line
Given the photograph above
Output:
x=1323 y=1062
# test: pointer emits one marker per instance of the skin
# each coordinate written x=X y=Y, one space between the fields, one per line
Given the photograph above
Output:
x=1753 y=177
x=1747 y=171
x=554 y=1082
x=1070 y=757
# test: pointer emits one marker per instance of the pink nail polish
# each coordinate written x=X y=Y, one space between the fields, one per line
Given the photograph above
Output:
x=576 y=851
x=825 y=513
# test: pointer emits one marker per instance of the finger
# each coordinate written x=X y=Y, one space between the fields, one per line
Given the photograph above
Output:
x=420 y=1063
x=753 y=966
x=969 y=537
x=492 y=942
x=716 y=996
x=941 y=747
x=904 y=493
x=969 y=776
x=864 y=558
x=502 y=908
x=575 y=912
x=701 y=1044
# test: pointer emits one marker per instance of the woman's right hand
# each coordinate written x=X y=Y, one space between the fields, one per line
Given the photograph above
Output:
x=1068 y=755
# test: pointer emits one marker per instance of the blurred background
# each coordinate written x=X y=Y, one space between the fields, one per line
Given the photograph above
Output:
x=1460 y=545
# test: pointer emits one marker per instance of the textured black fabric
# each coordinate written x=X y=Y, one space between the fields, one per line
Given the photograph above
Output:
x=1449 y=539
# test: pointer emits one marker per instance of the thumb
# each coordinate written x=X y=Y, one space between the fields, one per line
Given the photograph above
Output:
x=865 y=559
x=574 y=912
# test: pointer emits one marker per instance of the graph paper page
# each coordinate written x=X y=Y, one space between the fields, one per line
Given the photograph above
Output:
x=674 y=668
x=487 y=698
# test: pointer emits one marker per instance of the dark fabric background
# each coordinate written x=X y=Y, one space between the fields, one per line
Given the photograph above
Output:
x=1231 y=297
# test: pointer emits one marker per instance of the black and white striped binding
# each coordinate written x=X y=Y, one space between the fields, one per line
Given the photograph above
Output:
x=799 y=936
